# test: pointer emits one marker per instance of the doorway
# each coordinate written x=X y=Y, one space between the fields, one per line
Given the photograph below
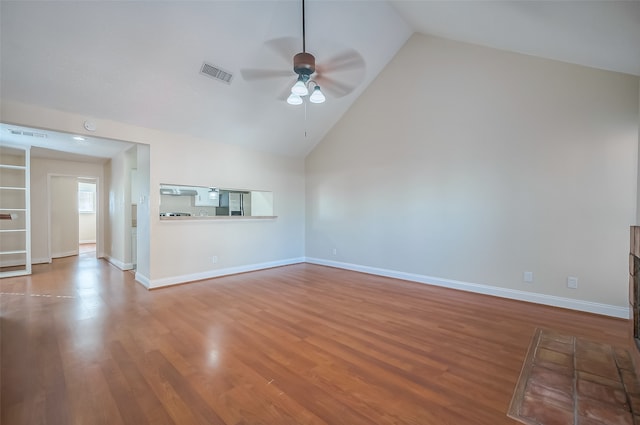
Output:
x=87 y=216
x=73 y=216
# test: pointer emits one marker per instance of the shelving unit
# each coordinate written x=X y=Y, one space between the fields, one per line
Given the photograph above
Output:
x=15 y=218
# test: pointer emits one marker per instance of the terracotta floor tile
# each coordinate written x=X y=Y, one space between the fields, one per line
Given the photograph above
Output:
x=631 y=383
x=602 y=388
x=550 y=396
x=604 y=413
x=604 y=369
x=554 y=360
x=588 y=421
x=623 y=359
x=602 y=393
x=552 y=379
x=537 y=410
x=566 y=339
x=584 y=346
x=634 y=399
x=596 y=356
x=613 y=383
x=555 y=345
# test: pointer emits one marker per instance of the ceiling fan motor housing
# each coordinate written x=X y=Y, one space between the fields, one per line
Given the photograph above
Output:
x=304 y=64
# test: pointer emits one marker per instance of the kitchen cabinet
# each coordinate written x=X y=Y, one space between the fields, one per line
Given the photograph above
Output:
x=207 y=197
x=15 y=220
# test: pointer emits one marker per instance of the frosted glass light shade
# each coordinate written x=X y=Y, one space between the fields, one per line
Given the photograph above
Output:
x=294 y=99
x=317 y=96
x=300 y=88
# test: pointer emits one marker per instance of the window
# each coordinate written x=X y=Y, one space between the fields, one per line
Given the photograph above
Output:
x=86 y=201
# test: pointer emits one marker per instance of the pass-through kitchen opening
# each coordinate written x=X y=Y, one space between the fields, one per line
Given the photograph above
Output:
x=199 y=201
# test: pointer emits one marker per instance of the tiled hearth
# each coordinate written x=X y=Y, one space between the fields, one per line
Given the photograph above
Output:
x=568 y=380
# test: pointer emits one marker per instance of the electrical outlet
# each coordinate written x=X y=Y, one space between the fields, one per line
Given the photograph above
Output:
x=572 y=282
x=214 y=259
x=335 y=251
x=527 y=277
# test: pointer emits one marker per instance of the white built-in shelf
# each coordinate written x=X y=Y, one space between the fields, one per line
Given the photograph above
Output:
x=12 y=252
x=15 y=181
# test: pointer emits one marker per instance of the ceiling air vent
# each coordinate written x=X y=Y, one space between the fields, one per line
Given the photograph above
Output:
x=28 y=133
x=215 y=72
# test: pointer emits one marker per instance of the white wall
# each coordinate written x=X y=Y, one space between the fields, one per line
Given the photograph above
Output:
x=183 y=251
x=87 y=228
x=235 y=243
x=63 y=192
x=118 y=250
x=469 y=164
x=143 y=214
x=40 y=170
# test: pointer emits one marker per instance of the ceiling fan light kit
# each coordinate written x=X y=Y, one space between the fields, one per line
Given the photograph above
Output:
x=317 y=96
x=300 y=87
x=294 y=99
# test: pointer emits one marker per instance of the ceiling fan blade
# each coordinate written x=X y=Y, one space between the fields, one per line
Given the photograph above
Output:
x=343 y=61
x=335 y=88
x=263 y=74
x=285 y=47
x=286 y=91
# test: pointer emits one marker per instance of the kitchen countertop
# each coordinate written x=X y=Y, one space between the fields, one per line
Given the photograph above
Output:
x=217 y=217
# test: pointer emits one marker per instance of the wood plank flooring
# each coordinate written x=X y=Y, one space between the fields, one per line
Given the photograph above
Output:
x=82 y=343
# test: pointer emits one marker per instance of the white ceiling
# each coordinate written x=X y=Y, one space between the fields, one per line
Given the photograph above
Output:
x=138 y=62
x=598 y=34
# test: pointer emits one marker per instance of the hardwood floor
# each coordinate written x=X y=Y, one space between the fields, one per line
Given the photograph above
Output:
x=87 y=248
x=82 y=343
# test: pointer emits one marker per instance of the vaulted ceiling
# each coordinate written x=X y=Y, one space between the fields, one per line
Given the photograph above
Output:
x=139 y=62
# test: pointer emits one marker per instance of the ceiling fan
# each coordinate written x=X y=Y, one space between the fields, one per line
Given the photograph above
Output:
x=310 y=76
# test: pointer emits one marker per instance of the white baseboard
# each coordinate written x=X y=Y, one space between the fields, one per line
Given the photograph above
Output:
x=64 y=254
x=40 y=260
x=119 y=264
x=87 y=241
x=514 y=294
x=143 y=280
x=175 y=280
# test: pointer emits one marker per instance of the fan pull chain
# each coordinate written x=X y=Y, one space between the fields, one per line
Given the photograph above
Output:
x=305 y=120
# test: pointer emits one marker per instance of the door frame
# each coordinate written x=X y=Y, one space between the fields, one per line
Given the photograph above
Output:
x=99 y=214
